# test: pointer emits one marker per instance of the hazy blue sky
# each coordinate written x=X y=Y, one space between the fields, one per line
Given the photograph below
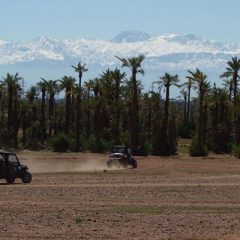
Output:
x=27 y=19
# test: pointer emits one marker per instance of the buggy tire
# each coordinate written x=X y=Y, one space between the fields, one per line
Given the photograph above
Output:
x=27 y=177
x=10 y=180
x=134 y=163
x=110 y=164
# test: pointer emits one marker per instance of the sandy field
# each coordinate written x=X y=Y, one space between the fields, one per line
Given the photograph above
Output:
x=74 y=196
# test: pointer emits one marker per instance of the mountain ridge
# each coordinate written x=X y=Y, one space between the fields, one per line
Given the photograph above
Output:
x=96 y=50
x=168 y=52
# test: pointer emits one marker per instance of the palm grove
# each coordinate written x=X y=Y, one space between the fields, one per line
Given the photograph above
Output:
x=113 y=109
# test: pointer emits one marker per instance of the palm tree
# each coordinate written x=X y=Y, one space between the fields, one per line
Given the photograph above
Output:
x=232 y=72
x=1 y=100
x=52 y=89
x=67 y=83
x=43 y=84
x=167 y=81
x=97 y=111
x=189 y=85
x=199 y=78
x=88 y=86
x=228 y=86
x=80 y=69
x=31 y=96
x=207 y=90
x=220 y=127
x=11 y=82
x=134 y=64
x=107 y=85
x=117 y=77
x=77 y=91
x=112 y=80
x=184 y=94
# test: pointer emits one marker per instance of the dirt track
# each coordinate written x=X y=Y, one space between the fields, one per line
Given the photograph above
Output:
x=165 y=198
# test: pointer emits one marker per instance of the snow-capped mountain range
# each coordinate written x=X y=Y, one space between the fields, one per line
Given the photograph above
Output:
x=171 y=52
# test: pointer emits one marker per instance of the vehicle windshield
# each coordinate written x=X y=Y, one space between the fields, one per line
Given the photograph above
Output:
x=119 y=150
x=12 y=159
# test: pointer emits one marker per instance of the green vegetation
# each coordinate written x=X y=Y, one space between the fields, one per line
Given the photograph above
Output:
x=61 y=143
x=113 y=109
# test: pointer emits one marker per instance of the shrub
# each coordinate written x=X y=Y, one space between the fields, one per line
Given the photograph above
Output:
x=165 y=146
x=220 y=141
x=90 y=144
x=236 y=150
x=145 y=148
x=100 y=146
x=61 y=143
x=5 y=139
x=185 y=130
x=195 y=151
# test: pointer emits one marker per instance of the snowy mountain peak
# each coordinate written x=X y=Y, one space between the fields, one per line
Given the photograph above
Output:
x=131 y=36
x=170 y=52
x=182 y=38
x=44 y=41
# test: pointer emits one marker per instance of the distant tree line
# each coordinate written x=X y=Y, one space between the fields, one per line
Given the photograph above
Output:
x=114 y=109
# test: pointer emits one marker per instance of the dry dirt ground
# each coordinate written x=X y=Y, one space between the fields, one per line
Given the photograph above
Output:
x=73 y=197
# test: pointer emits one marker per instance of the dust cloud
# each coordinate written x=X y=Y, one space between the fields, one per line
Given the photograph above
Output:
x=66 y=164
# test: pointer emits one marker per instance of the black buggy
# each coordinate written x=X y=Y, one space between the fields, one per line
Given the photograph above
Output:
x=11 y=168
x=121 y=156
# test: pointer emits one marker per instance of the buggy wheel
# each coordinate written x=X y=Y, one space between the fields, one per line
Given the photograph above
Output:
x=10 y=180
x=134 y=163
x=27 y=177
x=110 y=164
x=123 y=163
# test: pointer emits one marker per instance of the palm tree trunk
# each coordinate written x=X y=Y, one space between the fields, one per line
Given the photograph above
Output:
x=97 y=125
x=1 y=107
x=43 y=128
x=149 y=123
x=10 y=103
x=78 y=118
x=50 y=114
x=88 y=123
x=117 y=131
x=78 y=113
x=16 y=122
x=200 y=120
x=73 y=107
x=185 y=109
x=135 y=131
x=166 y=113
x=236 y=117
x=34 y=120
x=67 y=111
x=189 y=100
x=80 y=79
x=88 y=112
x=205 y=118
x=24 y=127
x=230 y=91
x=235 y=76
